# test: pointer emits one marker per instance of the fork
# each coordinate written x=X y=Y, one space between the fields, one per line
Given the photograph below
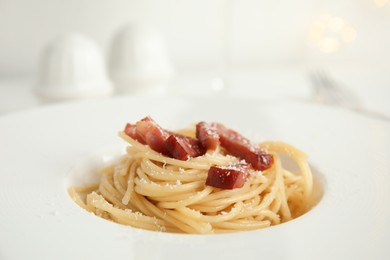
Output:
x=329 y=92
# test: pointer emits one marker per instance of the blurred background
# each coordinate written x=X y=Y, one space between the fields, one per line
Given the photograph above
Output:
x=246 y=48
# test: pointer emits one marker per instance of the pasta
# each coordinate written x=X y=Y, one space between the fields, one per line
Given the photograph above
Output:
x=148 y=190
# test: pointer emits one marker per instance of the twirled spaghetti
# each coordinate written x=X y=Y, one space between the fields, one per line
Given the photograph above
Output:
x=148 y=190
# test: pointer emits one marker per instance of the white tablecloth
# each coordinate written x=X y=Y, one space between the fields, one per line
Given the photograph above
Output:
x=371 y=85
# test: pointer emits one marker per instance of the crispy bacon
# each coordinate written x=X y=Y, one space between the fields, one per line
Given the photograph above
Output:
x=259 y=160
x=131 y=130
x=178 y=146
x=207 y=135
x=194 y=143
x=227 y=177
x=241 y=147
x=153 y=134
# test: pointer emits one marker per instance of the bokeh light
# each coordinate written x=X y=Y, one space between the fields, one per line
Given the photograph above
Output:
x=381 y=3
x=329 y=33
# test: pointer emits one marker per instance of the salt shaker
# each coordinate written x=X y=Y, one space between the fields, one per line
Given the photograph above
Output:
x=138 y=60
x=72 y=66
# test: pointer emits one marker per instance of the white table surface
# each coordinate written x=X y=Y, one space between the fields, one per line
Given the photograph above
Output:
x=371 y=85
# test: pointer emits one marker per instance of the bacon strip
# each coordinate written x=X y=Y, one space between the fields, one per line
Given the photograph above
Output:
x=153 y=134
x=131 y=130
x=241 y=147
x=180 y=148
x=227 y=177
x=213 y=134
x=194 y=143
x=147 y=131
x=207 y=135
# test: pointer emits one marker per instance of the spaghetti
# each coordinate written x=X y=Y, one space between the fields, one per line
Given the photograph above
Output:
x=148 y=190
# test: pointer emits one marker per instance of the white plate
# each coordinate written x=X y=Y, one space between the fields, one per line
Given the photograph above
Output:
x=38 y=220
